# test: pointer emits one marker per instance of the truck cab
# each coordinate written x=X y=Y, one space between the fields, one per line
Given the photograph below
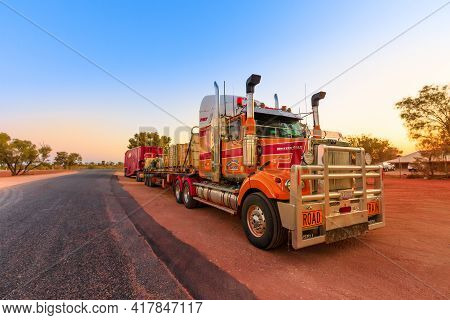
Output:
x=282 y=178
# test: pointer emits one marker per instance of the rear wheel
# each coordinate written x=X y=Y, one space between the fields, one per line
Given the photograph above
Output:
x=138 y=178
x=261 y=222
x=178 y=192
x=188 y=200
x=150 y=182
x=146 y=179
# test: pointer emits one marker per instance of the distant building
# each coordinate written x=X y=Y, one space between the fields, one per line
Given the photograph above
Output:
x=404 y=161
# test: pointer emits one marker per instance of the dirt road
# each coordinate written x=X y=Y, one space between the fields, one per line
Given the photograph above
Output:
x=408 y=259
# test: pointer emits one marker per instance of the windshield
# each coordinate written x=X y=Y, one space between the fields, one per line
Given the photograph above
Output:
x=280 y=127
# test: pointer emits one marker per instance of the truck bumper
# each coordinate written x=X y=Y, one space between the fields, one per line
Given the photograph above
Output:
x=334 y=228
x=343 y=213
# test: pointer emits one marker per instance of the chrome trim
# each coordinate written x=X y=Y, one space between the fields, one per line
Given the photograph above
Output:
x=330 y=201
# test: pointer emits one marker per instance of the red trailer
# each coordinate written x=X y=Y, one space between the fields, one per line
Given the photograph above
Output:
x=135 y=160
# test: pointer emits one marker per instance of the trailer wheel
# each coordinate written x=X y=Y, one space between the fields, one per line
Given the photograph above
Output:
x=188 y=200
x=261 y=222
x=137 y=177
x=177 y=191
x=150 y=181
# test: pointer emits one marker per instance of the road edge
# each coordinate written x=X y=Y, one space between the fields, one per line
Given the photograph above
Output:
x=201 y=278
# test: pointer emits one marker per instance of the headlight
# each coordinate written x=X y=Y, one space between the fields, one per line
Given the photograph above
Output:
x=368 y=158
x=288 y=184
x=308 y=157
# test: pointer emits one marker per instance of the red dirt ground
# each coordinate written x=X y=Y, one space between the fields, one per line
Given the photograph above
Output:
x=408 y=259
x=7 y=173
x=9 y=181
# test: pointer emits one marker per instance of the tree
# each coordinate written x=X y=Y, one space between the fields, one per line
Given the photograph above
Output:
x=380 y=149
x=61 y=158
x=429 y=152
x=149 y=139
x=427 y=118
x=73 y=159
x=21 y=156
x=67 y=160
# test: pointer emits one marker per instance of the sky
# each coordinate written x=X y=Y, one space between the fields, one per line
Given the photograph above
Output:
x=93 y=89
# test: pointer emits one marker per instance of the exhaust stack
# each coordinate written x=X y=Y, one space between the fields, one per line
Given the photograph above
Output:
x=215 y=147
x=252 y=82
x=317 y=133
x=250 y=140
x=277 y=104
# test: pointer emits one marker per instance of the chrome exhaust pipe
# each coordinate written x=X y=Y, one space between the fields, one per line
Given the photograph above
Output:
x=249 y=142
x=252 y=82
x=215 y=148
x=315 y=109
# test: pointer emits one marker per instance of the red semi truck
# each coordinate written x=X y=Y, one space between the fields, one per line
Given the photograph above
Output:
x=287 y=184
x=135 y=160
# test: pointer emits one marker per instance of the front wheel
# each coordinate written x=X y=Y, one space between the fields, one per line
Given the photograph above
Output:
x=261 y=222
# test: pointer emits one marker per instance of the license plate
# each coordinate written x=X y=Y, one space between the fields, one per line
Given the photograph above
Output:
x=346 y=194
x=311 y=218
x=373 y=207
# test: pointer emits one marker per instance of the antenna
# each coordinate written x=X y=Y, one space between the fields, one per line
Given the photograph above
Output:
x=233 y=101
x=306 y=108
x=224 y=99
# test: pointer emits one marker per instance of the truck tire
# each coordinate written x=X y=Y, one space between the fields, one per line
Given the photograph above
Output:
x=177 y=191
x=261 y=222
x=146 y=179
x=138 y=179
x=125 y=172
x=150 y=181
x=188 y=200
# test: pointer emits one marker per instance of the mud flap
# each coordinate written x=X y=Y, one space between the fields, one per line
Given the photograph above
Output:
x=346 y=232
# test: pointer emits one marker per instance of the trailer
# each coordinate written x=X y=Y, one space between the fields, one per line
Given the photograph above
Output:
x=135 y=158
x=263 y=164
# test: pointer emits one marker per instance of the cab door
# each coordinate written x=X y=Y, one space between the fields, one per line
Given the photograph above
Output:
x=232 y=168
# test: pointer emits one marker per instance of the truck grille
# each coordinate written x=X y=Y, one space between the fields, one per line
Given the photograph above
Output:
x=340 y=158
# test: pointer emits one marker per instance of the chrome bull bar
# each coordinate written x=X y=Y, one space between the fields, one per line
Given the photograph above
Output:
x=328 y=201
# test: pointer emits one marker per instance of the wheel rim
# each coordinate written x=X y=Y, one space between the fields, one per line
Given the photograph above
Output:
x=256 y=221
x=177 y=190
x=186 y=194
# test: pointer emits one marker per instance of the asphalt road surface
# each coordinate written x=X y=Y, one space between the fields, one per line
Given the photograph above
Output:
x=69 y=237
